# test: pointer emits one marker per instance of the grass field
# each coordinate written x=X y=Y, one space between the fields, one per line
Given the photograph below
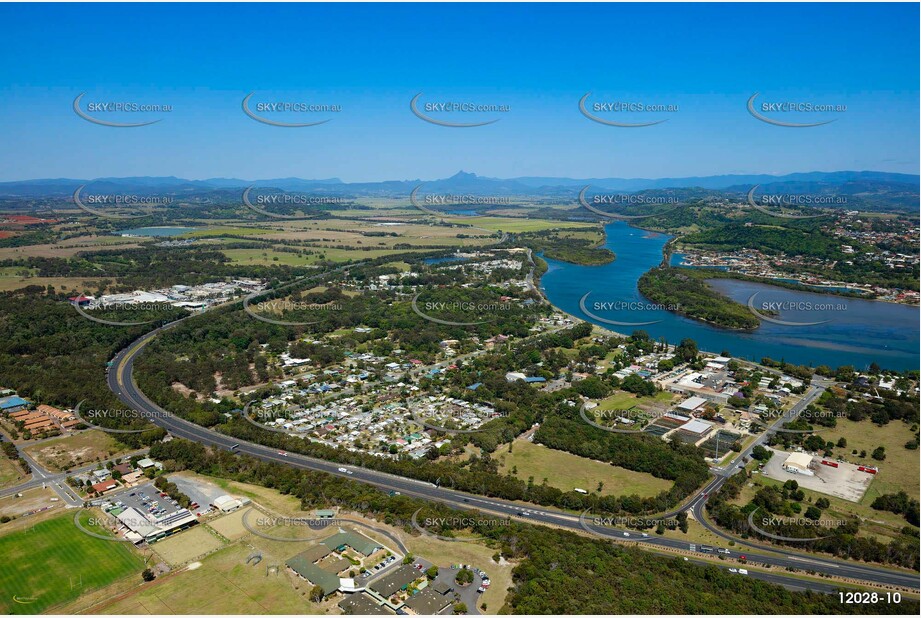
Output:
x=882 y=525
x=567 y=471
x=85 y=447
x=523 y=225
x=187 y=545
x=53 y=562
x=223 y=584
x=269 y=257
x=622 y=400
x=67 y=284
x=10 y=472
x=899 y=471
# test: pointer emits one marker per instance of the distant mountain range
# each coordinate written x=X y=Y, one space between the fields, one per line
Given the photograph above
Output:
x=880 y=188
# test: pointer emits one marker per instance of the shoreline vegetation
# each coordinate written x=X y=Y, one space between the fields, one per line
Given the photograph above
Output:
x=687 y=293
x=570 y=247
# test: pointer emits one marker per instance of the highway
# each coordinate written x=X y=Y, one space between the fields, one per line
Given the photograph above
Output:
x=121 y=382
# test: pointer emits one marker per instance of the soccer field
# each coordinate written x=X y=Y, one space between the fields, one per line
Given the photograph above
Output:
x=52 y=562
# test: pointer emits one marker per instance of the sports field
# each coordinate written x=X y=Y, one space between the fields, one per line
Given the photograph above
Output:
x=52 y=562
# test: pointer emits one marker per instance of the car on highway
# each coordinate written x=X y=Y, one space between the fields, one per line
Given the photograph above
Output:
x=284 y=454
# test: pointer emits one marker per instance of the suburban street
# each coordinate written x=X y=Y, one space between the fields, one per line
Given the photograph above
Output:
x=122 y=384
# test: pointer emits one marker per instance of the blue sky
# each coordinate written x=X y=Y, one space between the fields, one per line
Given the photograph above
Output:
x=539 y=60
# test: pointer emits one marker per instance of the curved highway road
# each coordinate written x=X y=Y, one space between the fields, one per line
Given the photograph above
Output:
x=121 y=382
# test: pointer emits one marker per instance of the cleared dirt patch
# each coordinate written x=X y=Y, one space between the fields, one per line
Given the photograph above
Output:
x=86 y=447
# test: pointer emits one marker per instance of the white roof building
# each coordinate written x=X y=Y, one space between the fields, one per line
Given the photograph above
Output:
x=798 y=463
x=227 y=503
x=697 y=427
x=691 y=403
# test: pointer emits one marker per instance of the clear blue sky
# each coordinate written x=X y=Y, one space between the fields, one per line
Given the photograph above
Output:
x=537 y=59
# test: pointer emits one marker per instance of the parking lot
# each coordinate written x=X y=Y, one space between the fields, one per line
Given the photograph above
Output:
x=199 y=492
x=146 y=499
x=377 y=569
x=845 y=481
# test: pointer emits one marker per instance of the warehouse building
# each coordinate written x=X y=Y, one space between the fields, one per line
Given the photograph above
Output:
x=798 y=463
x=696 y=428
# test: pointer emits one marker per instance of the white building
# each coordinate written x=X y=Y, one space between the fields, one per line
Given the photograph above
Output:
x=798 y=463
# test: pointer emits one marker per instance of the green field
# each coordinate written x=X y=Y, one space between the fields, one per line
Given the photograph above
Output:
x=567 y=471
x=882 y=525
x=898 y=472
x=269 y=256
x=52 y=562
x=223 y=584
x=515 y=225
x=10 y=472
x=622 y=400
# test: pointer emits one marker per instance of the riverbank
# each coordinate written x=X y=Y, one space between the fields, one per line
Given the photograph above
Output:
x=858 y=334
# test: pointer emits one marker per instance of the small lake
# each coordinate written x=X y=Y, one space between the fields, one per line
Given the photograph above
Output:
x=156 y=231
x=852 y=331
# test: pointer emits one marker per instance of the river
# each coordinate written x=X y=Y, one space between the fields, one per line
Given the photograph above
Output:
x=850 y=331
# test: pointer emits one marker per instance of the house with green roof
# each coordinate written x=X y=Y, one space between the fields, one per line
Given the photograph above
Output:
x=362 y=544
x=304 y=565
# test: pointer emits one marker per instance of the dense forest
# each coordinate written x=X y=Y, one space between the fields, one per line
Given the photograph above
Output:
x=559 y=245
x=50 y=354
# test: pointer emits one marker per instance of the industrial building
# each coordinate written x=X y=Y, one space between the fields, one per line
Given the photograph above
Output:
x=798 y=463
x=696 y=428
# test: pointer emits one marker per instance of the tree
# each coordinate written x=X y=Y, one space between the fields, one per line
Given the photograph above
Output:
x=431 y=572
x=464 y=577
x=879 y=453
x=460 y=608
x=813 y=513
x=686 y=350
x=316 y=594
x=842 y=443
x=148 y=575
